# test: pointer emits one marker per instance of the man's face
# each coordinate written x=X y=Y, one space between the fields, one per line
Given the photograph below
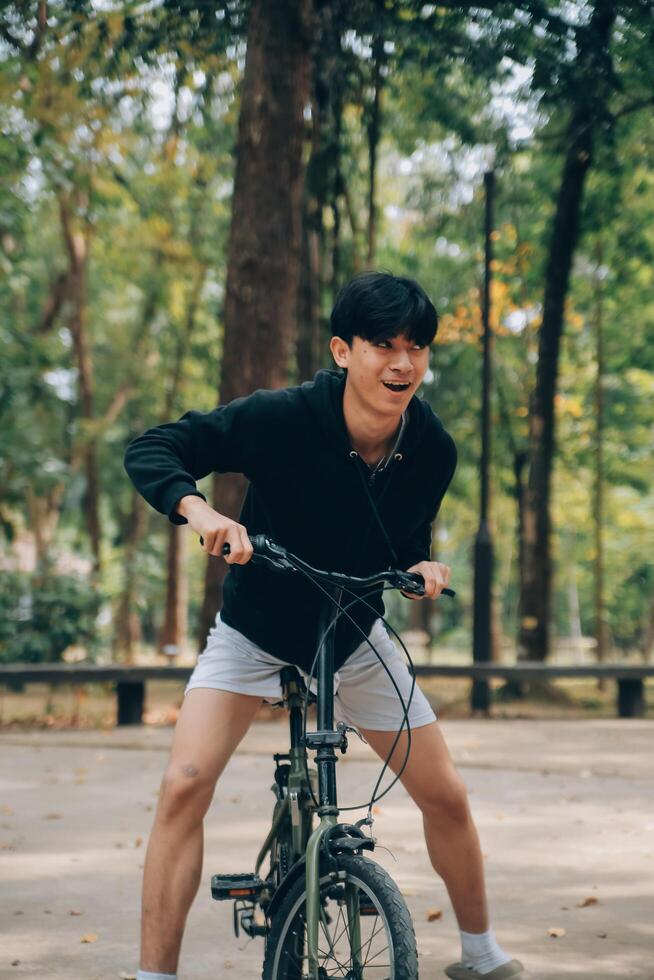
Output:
x=384 y=375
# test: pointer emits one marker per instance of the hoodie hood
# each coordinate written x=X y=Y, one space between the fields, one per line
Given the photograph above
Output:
x=324 y=397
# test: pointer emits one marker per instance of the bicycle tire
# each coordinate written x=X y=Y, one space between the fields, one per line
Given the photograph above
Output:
x=287 y=933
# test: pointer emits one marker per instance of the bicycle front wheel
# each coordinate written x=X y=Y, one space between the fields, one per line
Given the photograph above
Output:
x=365 y=930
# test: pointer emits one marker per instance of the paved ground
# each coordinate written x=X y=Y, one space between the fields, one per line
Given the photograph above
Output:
x=565 y=812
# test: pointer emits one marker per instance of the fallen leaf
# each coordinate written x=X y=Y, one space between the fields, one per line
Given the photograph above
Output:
x=377 y=810
x=126 y=976
x=234 y=799
x=90 y=937
x=556 y=932
x=409 y=892
x=15 y=962
x=591 y=900
x=52 y=816
x=75 y=912
x=227 y=964
x=19 y=912
x=434 y=914
x=6 y=811
x=138 y=842
x=602 y=935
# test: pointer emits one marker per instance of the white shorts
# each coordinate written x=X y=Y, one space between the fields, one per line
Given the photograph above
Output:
x=363 y=693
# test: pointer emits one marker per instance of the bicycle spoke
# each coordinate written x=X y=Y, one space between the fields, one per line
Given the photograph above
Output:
x=337 y=954
x=377 y=929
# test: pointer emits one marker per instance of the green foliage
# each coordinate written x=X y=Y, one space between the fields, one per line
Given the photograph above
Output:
x=40 y=618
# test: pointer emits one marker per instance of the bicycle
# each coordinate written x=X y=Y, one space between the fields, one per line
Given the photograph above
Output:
x=324 y=909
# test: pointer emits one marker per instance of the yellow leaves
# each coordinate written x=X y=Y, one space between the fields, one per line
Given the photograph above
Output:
x=570 y=405
x=640 y=380
x=433 y=915
x=591 y=900
x=556 y=932
x=177 y=299
x=90 y=937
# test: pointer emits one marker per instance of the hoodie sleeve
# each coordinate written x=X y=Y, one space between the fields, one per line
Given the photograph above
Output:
x=417 y=547
x=165 y=462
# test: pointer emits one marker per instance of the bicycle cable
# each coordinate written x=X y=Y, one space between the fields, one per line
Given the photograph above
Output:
x=342 y=610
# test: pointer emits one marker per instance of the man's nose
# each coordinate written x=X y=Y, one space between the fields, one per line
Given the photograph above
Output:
x=401 y=361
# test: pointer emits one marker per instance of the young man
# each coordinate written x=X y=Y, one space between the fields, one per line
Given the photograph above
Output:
x=347 y=471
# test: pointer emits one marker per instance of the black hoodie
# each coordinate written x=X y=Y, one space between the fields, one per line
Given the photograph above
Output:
x=311 y=493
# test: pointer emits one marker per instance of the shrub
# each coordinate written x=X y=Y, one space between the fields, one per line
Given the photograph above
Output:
x=40 y=618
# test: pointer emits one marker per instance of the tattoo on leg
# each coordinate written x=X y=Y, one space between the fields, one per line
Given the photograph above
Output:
x=190 y=770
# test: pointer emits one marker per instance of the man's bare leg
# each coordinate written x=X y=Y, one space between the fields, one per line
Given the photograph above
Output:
x=210 y=726
x=432 y=780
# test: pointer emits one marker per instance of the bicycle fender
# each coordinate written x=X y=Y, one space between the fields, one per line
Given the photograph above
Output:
x=340 y=839
x=296 y=871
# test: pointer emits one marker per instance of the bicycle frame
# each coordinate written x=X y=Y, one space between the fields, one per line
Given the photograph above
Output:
x=326 y=764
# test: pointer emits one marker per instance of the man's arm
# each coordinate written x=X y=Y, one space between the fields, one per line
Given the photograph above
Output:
x=166 y=461
x=415 y=555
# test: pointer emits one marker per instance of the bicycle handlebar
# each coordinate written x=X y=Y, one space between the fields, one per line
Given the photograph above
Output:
x=278 y=557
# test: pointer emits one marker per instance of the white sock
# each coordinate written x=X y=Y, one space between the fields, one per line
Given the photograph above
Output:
x=144 y=975
x=481 y=952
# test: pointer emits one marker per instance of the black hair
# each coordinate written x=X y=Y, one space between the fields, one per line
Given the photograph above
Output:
x=378 y=305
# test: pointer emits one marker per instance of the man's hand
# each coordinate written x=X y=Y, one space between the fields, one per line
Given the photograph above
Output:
x=436 y=576
x=217 y=530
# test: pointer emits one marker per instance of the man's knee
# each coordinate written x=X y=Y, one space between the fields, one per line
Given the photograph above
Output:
x=445 y=798
x=185 y=790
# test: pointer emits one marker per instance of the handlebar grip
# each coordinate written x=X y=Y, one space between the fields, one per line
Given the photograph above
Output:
x=258 y=542
x=226 y=548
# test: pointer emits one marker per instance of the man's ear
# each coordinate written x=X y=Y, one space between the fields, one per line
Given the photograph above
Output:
x=340 y=351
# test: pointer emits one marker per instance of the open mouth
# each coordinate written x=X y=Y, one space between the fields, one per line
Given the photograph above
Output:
x=397 y=386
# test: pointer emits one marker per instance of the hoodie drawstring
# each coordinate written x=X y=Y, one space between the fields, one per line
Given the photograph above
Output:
x=371 y=501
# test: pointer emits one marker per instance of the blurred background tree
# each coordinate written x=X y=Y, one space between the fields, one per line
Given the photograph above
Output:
x=146 y=268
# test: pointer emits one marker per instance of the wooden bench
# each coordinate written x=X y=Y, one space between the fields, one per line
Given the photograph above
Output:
x=130 y=681
x=630 y=700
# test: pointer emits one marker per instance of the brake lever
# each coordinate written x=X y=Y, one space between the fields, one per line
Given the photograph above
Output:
x=278 y=562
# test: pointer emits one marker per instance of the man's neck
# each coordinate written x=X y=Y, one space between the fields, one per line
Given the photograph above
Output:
x=371 y=435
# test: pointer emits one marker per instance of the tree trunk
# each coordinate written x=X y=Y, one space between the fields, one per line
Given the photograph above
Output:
x=601 y=625
x=648 y=632
x=128 y=628
x=76 y=240
x=535 y=594
x=263 y=270
x=173 y=637
x=309 y=305
x=374 y=129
